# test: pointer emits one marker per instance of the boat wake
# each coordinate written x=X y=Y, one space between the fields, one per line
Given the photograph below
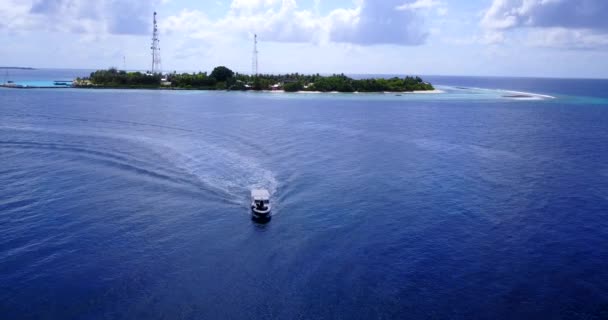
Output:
x=188 y=161
x=219 y=168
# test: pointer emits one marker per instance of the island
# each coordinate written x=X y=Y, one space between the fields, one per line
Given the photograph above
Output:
x=16 y=68
x=222 y=78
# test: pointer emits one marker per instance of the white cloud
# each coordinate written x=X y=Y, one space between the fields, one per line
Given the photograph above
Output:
x=563 y=38
x=13 y=14
x=420 y=4
x=492 y=37
x=193 y=22
x=252 y=5
x=551 y=23
x=500 y=15
x=373 y=23
x=273 y=20
x=367 y=23
x=577 y=14
x=78 y=16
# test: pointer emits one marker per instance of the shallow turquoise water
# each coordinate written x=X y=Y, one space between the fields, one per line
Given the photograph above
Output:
x=39 y=84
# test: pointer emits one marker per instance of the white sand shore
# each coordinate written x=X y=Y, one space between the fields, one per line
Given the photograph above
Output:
x=517 y=95
x=356 y=92
x=528 y=95
x=428 y=91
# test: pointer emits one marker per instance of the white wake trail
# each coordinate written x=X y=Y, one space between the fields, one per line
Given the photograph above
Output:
x=217 y=167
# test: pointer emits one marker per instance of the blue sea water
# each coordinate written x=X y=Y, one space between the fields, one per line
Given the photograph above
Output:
x=463 y=205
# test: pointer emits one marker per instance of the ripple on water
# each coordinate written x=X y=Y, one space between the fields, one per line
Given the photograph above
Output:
x=115 y=204
x=200 y=165
x=454 y=148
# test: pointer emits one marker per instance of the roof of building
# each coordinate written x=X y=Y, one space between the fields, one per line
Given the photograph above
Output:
x=260 y=194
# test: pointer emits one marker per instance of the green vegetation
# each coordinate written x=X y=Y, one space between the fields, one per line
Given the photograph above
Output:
x=113 y=78
x=199 y=80
x=222 y=74
x=293 y=86
x=222 y=78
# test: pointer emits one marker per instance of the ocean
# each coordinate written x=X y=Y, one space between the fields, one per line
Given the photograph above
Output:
x=133 y=204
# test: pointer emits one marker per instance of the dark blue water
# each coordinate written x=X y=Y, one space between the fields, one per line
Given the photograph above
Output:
x=463 y=205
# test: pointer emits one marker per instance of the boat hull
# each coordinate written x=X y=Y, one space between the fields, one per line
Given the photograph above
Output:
x=260 y=214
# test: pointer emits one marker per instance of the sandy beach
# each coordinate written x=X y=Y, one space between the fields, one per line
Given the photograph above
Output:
x=356 y=92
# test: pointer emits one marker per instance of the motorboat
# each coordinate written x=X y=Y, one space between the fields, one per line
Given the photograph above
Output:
x=260 y=204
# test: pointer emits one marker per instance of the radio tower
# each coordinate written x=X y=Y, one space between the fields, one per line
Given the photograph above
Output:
x=254 y=63
x=156 y=67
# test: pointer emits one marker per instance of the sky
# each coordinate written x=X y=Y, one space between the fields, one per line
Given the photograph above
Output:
x=536 y=38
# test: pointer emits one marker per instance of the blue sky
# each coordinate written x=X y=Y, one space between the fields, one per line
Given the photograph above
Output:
x=550 y=38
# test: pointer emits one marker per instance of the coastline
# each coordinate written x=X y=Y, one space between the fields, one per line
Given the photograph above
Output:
x=222 y=78
x=16 y=86
x=514 y=94
x=17 y=68
x=436 y=91
x=507 y=94
x=522 y=95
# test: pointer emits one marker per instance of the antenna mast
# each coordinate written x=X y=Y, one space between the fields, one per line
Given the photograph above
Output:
x=156 y=66
x=254 y=63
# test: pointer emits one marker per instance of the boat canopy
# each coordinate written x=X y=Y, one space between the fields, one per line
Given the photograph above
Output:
x=260 y=195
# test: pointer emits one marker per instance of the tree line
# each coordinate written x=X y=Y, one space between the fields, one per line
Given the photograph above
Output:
x=222 y=78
